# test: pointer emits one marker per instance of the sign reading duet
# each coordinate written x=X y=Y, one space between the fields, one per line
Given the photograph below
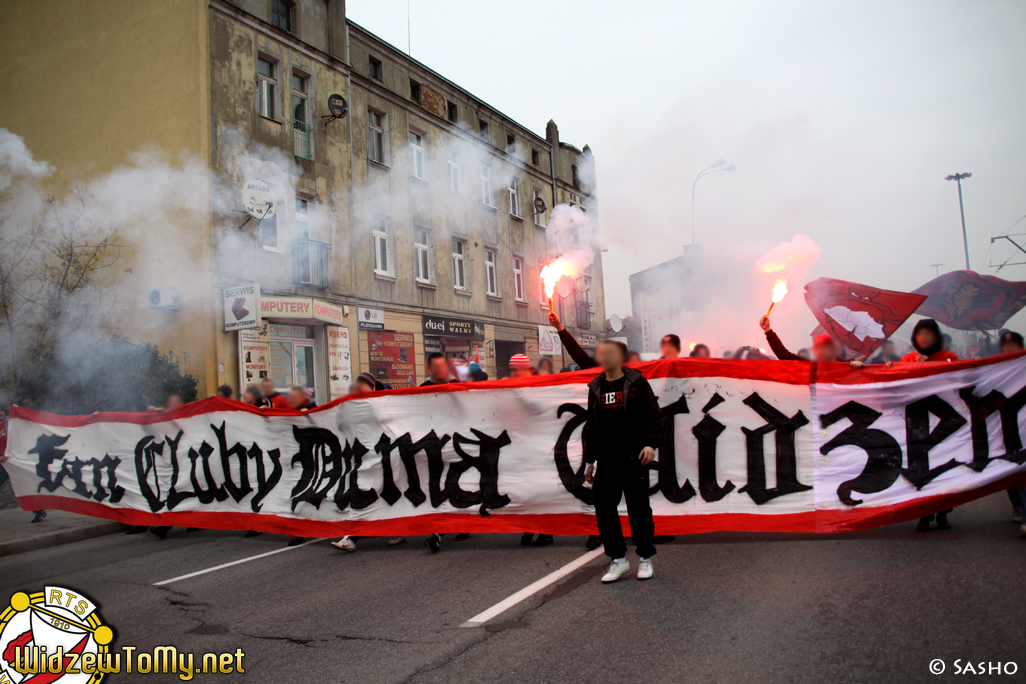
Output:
x=755 y=445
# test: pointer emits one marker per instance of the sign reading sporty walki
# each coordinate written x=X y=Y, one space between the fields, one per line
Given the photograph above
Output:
x=754 y=445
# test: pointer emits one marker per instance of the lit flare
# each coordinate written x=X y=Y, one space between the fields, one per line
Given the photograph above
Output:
x=779 y=291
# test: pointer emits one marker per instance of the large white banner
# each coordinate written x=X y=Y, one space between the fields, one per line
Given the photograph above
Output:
x=748 y=445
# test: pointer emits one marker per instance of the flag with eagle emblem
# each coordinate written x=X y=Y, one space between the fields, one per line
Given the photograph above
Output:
x=966 y=300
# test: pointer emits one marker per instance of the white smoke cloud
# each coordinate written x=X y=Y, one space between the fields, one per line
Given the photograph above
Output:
x=17 y=161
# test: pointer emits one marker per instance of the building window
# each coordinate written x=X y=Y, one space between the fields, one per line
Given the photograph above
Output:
x=535 y=158
x=265 y=87
x=511 y=143
x=269 y=232
x=491 y=280
x=575 y=177
x=451 y=111
x=539 y=216
x=459 y=264
x=282 y=14
x=482 y=129
x=382 y=248
x=422 y=256
x=514 y=197
x=518 y=279
x=588 y=297
x=376 y=136
x=414 y=91
x=486 y=186
x=301 y=237
x=453 y=161
x=300 y=119
x=374 y=68
x=578 y=201
x=417 y=155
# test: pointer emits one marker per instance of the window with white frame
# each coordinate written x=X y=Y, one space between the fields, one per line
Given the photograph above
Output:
x=417 y=155
x=491 y=275
x=539 y=216
x=514 y=197
x=453 y=160
x=383 y=252
x=422 y=255
x=301 y=241
x=376 y=136
x=588 y=296
x=518 y=279
x=303 y=141
x=459 y=264
x=269 y=233
x=486 y=186
x=266 y=83
x=578 y=201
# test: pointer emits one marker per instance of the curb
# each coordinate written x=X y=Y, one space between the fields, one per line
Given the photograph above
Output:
x=46 y=541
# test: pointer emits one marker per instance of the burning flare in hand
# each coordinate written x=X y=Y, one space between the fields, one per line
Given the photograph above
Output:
x=779 y=290
x=551 y=274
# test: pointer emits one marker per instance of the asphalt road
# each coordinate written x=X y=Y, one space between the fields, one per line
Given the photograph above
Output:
x=874 y=606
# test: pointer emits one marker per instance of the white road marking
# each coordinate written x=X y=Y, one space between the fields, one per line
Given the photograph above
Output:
x=228 y=565
x=532 y=589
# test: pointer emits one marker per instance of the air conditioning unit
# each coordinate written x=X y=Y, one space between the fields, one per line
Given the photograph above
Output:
x=163 y=298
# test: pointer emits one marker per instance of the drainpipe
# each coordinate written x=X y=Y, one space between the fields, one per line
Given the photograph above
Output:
x=552 y=175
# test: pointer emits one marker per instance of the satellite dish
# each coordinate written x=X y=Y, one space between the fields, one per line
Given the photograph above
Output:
x=539 y=205
x=615 y=322
x=258 y=199
x=564 y=286
x=338 y=106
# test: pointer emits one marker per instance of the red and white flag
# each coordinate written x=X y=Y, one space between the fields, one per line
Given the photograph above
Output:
x=860 y=316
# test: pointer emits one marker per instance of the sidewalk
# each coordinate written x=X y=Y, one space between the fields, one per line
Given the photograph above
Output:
x=18 y=535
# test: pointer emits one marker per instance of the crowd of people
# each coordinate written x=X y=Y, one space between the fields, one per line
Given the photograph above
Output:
x=623 y=427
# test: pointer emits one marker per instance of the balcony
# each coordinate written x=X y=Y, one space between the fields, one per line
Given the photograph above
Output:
x=301 y=140
x=310 y=263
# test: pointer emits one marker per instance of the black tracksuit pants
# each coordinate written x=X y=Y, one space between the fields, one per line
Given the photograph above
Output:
x=616 y=479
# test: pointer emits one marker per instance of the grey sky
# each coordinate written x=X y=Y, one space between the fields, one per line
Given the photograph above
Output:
x=843 y=119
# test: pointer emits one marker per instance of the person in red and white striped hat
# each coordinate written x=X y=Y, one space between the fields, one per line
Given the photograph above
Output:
x=520 y=367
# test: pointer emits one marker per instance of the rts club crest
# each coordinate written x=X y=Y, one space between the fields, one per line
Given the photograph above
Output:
x=48 y=637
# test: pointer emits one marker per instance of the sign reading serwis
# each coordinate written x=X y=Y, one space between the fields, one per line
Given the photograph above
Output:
x=241 y=307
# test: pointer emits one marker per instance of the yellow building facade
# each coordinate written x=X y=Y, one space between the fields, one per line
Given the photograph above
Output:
x=407 y=225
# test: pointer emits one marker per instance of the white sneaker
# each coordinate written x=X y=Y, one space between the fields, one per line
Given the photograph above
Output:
x=617 y=569
x=346 y=544
x=645 y=569
x=396 y=541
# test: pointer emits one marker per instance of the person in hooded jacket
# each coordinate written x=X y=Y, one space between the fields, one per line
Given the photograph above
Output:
x=928 y=345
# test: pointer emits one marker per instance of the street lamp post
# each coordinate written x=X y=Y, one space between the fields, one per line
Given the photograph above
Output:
x=718 y=166
x=957 y=177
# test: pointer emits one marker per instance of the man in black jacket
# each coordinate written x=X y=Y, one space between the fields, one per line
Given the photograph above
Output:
x=623 y=430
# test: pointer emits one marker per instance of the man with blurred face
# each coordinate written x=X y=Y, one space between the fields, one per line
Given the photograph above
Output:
x=1011 y=342
x=669 y=346
x=276 y=398
x=437 y=369
x=623 y=429
x=520 y=366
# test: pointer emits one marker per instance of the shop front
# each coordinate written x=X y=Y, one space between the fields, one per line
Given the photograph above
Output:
x=299 y=341
x=457 y=338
